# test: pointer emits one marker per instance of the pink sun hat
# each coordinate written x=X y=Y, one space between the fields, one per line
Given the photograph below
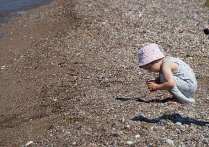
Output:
x=149 y=53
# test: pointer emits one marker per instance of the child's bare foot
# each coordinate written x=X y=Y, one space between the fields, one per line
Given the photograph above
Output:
x=173 y=101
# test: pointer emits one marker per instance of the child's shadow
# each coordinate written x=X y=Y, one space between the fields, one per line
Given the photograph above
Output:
x=141 y=100
x=173 y=117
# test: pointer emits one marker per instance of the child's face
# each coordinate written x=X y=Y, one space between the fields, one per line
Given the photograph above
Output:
x=153 y=67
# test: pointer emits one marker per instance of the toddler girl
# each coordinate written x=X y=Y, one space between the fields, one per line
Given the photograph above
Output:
x=174 y=75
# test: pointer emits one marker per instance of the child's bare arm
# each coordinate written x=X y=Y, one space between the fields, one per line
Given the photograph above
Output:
x=169 y=83
x=167 y=71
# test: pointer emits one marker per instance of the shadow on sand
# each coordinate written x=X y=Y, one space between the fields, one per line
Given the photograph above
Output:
x=141 y=100
x=173 y=117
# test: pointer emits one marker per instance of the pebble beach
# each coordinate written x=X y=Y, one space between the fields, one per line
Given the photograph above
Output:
x=70 y=76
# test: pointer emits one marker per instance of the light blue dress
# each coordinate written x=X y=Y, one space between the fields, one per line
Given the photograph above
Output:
x=185 y=81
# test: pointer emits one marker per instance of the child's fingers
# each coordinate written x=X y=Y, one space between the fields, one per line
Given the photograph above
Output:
x=149 y=85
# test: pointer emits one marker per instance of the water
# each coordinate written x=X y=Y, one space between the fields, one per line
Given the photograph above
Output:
x=12 y=8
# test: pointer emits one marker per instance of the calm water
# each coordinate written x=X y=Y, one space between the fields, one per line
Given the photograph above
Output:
x=11 y=8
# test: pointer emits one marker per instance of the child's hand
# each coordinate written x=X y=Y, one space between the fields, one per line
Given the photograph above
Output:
x=151 y=86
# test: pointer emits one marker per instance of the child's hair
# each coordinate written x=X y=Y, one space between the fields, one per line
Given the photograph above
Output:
x=149 y=53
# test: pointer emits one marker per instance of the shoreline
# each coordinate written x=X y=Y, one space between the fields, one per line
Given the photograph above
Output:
x=19 y=9
x=18 y=29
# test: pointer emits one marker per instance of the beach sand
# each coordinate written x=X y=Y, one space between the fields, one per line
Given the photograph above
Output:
x=24 y=69
x=70 y=77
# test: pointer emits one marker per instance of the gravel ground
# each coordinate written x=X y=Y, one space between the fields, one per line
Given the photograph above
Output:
x=70 y=75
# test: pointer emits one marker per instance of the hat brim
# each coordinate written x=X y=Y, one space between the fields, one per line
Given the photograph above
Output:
x=151 y=58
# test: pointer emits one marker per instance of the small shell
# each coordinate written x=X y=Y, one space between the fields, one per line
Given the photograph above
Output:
x=28 y=143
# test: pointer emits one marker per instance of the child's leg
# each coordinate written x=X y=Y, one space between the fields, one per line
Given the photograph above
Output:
x=181 y=97
x=182 y=90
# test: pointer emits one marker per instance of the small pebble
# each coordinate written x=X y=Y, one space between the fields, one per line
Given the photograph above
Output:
x=169 y=141
x=129 y=142
x=2 y=67
x=127 y=126
x=137 y=136
x=123 y=119
x=116 y=134
x=178 y=123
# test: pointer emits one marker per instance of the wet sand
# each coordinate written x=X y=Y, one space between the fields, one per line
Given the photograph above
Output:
x=22 y=72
